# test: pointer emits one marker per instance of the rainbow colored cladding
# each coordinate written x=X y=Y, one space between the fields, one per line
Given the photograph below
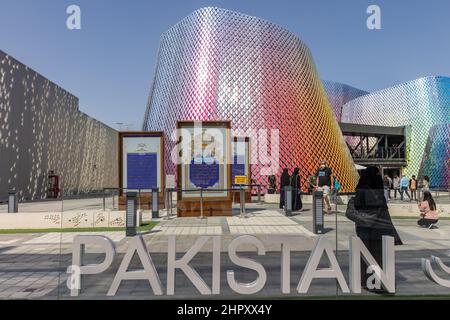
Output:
x=423 y=105
x=436 y=160
x=339 y=94
x=218 y=64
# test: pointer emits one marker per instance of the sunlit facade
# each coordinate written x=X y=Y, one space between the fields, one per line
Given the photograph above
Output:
x=339 y=94
x=423 y=106
x=218 y=64
x=42 y=130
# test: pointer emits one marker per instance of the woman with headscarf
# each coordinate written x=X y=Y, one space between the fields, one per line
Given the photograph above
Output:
x=370 y=201
x=296 y=190
x=284 y=182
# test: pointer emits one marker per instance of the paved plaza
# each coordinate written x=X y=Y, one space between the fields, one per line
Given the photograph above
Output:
x=33 y=266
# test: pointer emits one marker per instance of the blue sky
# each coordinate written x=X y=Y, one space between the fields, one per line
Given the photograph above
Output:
x=109 y=63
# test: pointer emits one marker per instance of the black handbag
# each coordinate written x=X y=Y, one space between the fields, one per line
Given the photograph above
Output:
x=362 y=218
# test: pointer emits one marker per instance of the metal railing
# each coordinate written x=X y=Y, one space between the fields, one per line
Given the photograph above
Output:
x=168 y=199
x=235 y=188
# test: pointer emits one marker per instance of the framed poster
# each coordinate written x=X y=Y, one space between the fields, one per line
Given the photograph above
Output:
x=141 y=166
x=204 y=151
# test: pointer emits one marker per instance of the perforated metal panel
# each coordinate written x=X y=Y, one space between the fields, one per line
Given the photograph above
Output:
x=339 y=94
x=436 y=160
x=420 y=105
x=221 y=65
x=41 y=129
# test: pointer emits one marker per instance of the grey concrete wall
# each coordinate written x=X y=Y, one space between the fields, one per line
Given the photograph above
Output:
x=41 y=129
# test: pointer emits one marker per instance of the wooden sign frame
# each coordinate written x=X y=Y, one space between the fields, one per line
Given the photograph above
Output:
x=213 y=205
x=145 y=198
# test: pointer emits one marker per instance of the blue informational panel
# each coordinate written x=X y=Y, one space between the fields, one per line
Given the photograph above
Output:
x=204 y=173
x=142 y=170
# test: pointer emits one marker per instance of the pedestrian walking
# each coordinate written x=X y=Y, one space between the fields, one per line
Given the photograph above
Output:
x=396 y=185
x=404 y=185
x=325 y=183
x=413 y=187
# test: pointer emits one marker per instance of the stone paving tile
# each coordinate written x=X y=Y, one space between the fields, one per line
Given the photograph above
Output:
x=56 y=238
x=185 y=230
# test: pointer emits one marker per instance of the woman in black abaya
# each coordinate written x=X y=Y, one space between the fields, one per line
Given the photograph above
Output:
x=296 y=191
x=370 y=200
x=284 y=182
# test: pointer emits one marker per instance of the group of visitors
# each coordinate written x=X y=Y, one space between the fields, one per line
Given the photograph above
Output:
x=370 y=178
x=368 y=208
x=404 y=186
x=322 y=181
x=293 y=181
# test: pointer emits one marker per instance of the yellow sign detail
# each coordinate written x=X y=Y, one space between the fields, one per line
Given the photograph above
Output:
x=240 y=180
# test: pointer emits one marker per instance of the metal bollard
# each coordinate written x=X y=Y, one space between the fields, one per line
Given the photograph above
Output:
x=242 y=202
x=13 y=203
x=259 y=194
x=168 y=194
x=131 y=214
x=318 y=220
x=288 y=201
x=139 y=200
x=155 y=204
x=104 y=200
x=114 y=198
x=171 y=200
x=201 y=205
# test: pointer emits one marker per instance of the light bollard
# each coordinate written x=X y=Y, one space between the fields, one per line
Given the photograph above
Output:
x=13 y=203
x=168 y=194
x=318 y=220
x=131 y=214
x=171 y=200
x=168 y=197
x=288 y=201
x=259 y=195
x=155 y=204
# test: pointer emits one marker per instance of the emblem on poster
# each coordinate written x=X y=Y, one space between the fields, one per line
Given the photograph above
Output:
x=204 y=172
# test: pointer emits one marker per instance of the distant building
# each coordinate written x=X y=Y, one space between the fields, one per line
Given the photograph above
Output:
x=42 y=130
x=339 y=94
x=423 y=106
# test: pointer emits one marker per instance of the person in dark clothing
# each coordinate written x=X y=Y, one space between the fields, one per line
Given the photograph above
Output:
x=272 y=184
x=370 y=199
x=325 y=183
x=284 y=182
x=296 y=185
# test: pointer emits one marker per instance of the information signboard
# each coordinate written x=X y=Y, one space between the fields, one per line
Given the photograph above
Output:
x=240 y=180
x=141 y=167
